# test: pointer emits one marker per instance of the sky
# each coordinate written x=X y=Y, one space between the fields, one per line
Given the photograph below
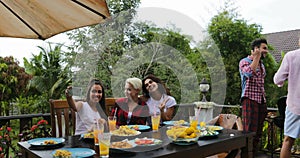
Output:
x=272 y=15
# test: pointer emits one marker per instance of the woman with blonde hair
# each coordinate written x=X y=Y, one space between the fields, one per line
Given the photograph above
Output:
x=131 y=110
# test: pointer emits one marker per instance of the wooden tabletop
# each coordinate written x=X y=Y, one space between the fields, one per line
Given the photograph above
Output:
x=227 y=140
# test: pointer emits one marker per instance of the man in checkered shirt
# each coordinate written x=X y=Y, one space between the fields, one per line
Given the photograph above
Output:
x=253 y=100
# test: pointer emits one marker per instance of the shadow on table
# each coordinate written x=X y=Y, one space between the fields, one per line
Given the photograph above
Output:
x=120 y=153
x=46 y=147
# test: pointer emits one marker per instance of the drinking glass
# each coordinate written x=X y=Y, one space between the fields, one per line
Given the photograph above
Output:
x=98 y=128
x=155 y=119
x=112 y=120
x=193 y=121
x=104 y=143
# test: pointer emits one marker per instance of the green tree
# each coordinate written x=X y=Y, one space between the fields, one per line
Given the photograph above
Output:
x=170 y=45
x=117 y=6
x=98 y=47
x=233 y=36
x=50 y=74
x=273 y=91
x=13 y=82
x=119 y=42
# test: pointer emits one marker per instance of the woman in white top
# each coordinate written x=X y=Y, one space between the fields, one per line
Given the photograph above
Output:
x=158 y=97
x=88 y=112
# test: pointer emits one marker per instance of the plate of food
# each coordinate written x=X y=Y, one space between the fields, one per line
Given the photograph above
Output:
x=89 y=135
x=46 y=142
x=72 y=152
x=179 y=122
x=214 y=128
x=183 y=135
x=139 y=127
x=184 y=141
x=146 y=141
x=125 y=131
x=122 y=145
x=206 y=133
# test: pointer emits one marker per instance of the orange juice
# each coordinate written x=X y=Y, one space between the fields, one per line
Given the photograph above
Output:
x=96 y=133
x=112 y=123
x=104 y=148
x=155 y=122
x=202 y=124
x=193 y=121
x=104 y=143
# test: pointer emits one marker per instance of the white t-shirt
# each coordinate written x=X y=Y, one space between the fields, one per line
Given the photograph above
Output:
x=85 y=119
x=153 y=104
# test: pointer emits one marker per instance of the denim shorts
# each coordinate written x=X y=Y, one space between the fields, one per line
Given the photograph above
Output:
x=291 y=124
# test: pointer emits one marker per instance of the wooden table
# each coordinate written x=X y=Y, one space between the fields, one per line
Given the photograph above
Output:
x=227 y=140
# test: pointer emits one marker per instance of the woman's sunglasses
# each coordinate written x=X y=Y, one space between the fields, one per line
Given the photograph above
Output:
x=147 y=84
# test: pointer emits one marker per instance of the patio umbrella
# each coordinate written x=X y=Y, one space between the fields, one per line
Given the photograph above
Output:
x=41 y=19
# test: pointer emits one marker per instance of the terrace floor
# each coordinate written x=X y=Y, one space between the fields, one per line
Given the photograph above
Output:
x=263 y=154
x=266 y=155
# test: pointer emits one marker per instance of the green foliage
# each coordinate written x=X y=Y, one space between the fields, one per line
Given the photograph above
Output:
x=118 y=49
x=31 y=104
x=13 y=82
x=212 y=68
x=51 y=74
x=6 y=140
x=99 y=48
x=165 y=46
x=154 y=54
x=278 y=91
x=233 y=110
x=233 y=37
x=117 y=6
x=273 y=92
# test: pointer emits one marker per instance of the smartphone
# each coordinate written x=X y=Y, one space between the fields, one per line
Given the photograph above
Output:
x=76 y=91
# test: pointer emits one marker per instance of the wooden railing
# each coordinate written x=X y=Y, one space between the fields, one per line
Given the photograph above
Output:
x=24 y=120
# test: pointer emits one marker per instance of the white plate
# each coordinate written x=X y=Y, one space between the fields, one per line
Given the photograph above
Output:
x=124 y=135
x=183 y=141
x=130 y=142
x=40 y=141
x=155 y=141
x=173 y=122
x=209 y=135
x=140 y=127
x=82 y=136
x=215 y=128
x=78 y=152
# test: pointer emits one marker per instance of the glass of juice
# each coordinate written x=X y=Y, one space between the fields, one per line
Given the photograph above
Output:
x=112 y=120
x=104 y=143
x=155 y=119
x=98 y=128
x=193 y=121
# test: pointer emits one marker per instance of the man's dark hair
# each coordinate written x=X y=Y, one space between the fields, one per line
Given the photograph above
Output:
x=258 y=42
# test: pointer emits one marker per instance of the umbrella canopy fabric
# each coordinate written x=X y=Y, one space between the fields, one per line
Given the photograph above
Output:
x=41 y=19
